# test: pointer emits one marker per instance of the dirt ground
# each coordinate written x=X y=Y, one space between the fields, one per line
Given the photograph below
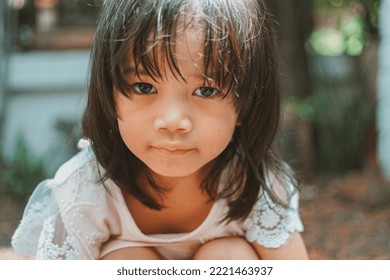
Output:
x=345 y=217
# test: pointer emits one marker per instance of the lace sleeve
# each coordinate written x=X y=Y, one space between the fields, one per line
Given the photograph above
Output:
x=270 y=224
x=68 y=217
x=41 y=232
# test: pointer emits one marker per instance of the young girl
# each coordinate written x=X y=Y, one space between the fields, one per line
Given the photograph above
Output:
x=182 y=112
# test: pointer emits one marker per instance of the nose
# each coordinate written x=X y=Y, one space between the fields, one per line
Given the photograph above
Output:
x=173 y=116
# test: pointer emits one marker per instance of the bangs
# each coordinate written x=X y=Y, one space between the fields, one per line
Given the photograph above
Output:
x=149 y=30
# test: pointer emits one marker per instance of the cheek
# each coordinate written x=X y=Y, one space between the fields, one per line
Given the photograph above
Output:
x=124 y=132
x=228 y=120
x=221 y=131
x=217 y=141
x=130 y=121
x=131 y=135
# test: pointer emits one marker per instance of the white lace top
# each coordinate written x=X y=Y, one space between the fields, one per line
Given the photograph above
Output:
x=73 y=216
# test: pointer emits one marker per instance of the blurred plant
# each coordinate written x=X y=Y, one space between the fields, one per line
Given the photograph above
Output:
x=22 y=173
x=370 y=6
x=342 y=26
x=349 y=39
x=341 y=120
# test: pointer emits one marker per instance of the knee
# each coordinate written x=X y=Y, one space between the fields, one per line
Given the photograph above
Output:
x=227 y=248
x=133 y=253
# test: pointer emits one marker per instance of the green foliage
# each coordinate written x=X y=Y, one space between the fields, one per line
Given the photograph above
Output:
x=371 y=7
x=348 y=38
x=341 y=118
x=340 y=108
x=326 y=4
x=23 y=172
x=343 y=26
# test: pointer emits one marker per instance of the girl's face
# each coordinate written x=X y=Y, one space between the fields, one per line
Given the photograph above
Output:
x=175 y=126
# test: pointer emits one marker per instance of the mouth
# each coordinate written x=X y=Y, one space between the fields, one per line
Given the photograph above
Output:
x=172 y=151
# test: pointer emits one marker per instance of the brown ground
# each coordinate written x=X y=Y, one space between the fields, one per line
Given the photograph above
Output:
x=346 y=217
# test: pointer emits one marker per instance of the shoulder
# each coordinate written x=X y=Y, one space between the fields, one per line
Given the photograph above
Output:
x=83 y=161
x=69 y=216
x=78 y=183
x=272 y=223
x=87 y=206
x=78 y=180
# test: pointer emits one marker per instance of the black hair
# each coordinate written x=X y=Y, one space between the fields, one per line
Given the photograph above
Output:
x=239 y=51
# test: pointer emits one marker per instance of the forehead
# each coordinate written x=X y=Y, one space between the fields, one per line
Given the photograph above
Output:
x=185 y=49
x=175 y=43
x=186 y=38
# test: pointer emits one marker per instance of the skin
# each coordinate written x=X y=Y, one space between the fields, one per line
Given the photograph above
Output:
x=177 y=128
x=170 y=124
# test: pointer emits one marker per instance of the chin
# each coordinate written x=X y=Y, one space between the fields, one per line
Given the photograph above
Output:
x=178 y=170
x=173 y=172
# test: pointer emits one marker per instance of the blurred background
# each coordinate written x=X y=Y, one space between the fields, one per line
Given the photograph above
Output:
x=334 y=59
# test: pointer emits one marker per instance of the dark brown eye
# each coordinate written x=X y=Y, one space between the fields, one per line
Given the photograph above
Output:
x=206 y=92
x=144 y=88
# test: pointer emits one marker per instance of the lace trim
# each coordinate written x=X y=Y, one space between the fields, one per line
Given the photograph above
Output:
x=270 y=224
x=48 y=250
x=30 y=226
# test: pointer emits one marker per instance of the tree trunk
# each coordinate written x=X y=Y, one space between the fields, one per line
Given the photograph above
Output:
x=294 y=27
